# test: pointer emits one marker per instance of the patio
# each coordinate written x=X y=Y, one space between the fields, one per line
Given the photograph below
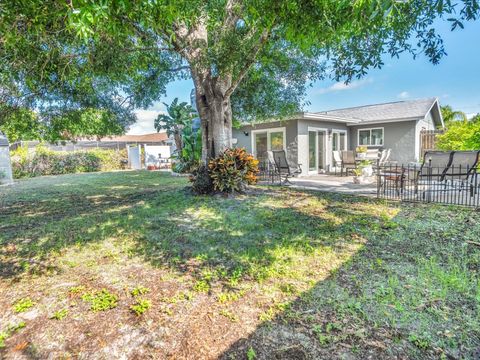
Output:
x=333 y=183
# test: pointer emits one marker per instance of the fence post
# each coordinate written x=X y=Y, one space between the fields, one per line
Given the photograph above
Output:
x=378 y=178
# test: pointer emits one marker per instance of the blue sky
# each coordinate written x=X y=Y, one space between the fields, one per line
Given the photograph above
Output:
x=455 y=81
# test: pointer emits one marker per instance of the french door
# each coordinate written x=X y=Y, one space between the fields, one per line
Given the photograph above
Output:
x=316 y=151
x=268 y=140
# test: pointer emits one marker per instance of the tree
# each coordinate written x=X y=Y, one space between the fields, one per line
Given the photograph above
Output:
x=254 y=57
x=449 y=115
x=179 y=116
x=460 y=135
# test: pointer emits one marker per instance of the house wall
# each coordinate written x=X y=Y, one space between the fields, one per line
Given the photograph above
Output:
x=290 y=126
x=401 y=137
x=422 y=124
x=303 y=128
x=5 y=165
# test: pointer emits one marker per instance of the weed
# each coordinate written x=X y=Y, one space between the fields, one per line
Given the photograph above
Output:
x=201 y=286
x=251 y=354
x=225 y=297
x=420 y=341
x=76 y=289
x=139 y=290
x=141 y=306
x=232 y=317
x=322 y=337
x=23 y=305
x=100 y=300
x=60 y=314
x=9 y=331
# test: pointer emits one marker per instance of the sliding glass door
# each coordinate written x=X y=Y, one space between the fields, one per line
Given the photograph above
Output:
x=316 y=151
x=261 y=145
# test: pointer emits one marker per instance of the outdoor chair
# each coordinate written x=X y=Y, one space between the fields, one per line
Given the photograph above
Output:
x=433 y=169
x=337 y=160
x=372 y=155
x=463 y=170
x=383 y=160
x=348 y=161
x=283 y=168
x=271 y=167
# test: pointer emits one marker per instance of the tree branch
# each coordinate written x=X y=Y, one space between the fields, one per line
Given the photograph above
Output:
x=185 y=67
x=248 y=64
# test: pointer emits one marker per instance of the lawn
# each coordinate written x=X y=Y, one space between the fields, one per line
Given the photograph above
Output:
x=130 y=264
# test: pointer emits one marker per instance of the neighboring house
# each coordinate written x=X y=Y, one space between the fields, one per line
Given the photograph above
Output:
x=310 y=138
x=109 y=142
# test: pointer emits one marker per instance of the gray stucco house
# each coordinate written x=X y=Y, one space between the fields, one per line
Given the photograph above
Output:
x=310 y=138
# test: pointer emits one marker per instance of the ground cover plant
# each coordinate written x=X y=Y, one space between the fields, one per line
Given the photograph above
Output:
x=131 y=264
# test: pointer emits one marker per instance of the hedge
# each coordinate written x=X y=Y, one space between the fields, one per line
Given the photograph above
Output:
x=47 y=162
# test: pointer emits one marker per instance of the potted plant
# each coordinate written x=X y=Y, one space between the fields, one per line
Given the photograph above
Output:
x=361 y=152
x=357 y=178
x=366 y=167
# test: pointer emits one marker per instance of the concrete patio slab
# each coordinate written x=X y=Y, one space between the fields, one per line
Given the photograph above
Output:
x=331 y=183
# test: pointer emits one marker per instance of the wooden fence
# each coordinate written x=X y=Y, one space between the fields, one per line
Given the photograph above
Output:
x=428 y=140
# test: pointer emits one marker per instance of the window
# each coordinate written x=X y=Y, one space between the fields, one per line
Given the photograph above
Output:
x=370 y=137
x=267 y=140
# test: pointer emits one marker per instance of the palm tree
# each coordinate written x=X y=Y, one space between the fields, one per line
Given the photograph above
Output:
x=178 y=116
x=450 y=115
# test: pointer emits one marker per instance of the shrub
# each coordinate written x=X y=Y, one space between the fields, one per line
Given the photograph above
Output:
x=47 y=162
x=232 y=170
x=201 y=181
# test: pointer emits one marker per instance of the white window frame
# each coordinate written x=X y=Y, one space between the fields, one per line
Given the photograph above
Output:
x=346 y=138
x=268 y=131
x=370 y=137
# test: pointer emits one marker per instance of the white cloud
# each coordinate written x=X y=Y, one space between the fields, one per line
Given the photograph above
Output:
x=145 y=121
x=340 y=86
x=404 y=95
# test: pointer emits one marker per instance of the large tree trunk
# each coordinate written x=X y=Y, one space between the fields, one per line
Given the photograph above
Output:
x=215 y=112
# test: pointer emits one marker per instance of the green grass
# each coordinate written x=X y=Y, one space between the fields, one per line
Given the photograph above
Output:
x=341 y=274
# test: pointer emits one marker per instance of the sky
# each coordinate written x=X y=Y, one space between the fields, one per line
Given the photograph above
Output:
x=455 y=81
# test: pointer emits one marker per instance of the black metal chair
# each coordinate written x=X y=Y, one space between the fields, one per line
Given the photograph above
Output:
x=285 y=171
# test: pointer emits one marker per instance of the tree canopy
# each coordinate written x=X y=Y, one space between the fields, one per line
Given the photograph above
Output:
x=249 y=59
x=449 y=115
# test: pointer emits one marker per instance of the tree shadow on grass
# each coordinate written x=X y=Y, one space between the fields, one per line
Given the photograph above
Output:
x=224 y=237
x=377 y=252
x=402 y=295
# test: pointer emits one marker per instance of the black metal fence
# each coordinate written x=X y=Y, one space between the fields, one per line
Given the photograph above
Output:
x=454 y=185
x=267 y=172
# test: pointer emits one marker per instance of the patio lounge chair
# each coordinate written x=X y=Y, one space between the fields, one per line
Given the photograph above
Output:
x=433 y=169
x=337 y=160
x=372 y=155
x=383 y=160
x=283 y=168
x=348 y=161
x=463 y=169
